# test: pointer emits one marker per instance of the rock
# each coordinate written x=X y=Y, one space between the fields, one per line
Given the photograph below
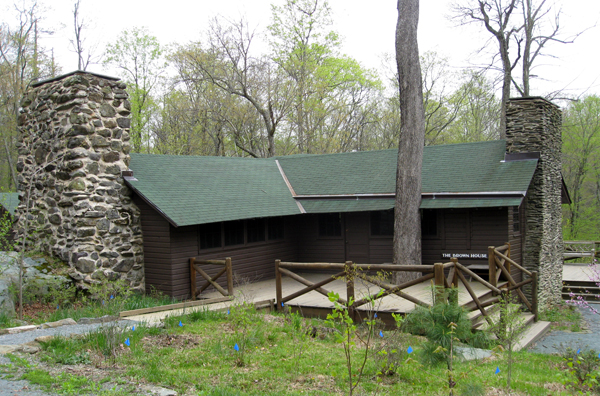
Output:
x=85 y=265
x=59 y=323
x=21 y=329
x=158 y=391
x=124 y=265
x=106 y=110
x=4 y=349
x=77 y=185
x=47 y=338
x=124 y=122
x=111 y=156
x=31 y=349
x=103 y=319
x=85 y=232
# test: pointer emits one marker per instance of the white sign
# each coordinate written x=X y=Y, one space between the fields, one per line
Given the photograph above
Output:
x=465 y=255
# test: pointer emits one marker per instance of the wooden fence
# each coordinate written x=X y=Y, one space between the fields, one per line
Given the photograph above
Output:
x=196 y=268
x=581 y=249
x=443 y=276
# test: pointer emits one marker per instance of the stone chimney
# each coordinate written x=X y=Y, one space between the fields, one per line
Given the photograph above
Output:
x=74 y=144
x=534 y=125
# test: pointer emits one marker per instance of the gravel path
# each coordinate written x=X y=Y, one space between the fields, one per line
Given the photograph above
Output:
x=28 y=336
x=10 y=387
x=557 y=341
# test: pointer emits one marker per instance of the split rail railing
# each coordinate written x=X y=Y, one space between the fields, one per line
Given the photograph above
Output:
x=574 y=250
x=196 y=269
x=442 y=275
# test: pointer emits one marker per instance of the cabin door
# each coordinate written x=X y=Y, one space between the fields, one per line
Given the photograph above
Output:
x=357 y=237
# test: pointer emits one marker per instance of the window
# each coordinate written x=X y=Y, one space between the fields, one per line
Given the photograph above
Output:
x=330 y=225
x=382 y=223
x=516 y=220
x=255 y=230
x=210 y=235
x=275 y=228
x=233 y=232
x=429 y=223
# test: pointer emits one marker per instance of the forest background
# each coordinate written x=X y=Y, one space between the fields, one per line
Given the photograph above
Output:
x=289 y=86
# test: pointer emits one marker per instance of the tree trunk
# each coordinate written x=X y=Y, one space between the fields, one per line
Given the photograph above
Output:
x=407 y=224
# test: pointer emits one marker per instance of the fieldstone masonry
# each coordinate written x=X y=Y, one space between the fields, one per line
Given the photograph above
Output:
x=534 y=124
x=74 y=144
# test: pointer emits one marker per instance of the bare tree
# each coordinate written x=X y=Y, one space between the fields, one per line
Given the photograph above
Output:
x=407 y=224
x=495 y=15
x=228 y=64
x=535 y=38
x=83 y=59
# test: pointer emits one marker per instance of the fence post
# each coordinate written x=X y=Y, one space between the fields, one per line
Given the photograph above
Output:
x=229 y=270
x=278 y=292
x=507 y=264
x=492 y=268
x=349 y=287
x=534 y=295
x=193 y=278
x=438 y=269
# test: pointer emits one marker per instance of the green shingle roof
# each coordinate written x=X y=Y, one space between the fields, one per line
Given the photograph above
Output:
x=467 y=167
x=195 y=190
x=9 y=201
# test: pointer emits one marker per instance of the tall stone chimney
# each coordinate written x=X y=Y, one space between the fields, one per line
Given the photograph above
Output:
x=74 y=144
x=534 y=125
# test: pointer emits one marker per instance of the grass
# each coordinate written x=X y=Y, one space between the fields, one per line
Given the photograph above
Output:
x=200 y=358
x=563 y=317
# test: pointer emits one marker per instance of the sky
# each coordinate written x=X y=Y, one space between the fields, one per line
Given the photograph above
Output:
x=367 y=32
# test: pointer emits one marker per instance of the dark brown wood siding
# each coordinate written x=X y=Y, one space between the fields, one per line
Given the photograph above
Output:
x=157 y=248
x=251 y=261
x=468 y=231
x=315 y=248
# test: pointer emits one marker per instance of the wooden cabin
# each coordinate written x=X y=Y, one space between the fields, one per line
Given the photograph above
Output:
x=322 y=208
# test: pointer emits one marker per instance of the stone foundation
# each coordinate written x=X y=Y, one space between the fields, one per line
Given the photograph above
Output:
x=534 y=125
x=74 y=144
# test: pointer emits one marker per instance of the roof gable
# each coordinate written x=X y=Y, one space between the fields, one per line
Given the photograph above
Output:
x=195 y=190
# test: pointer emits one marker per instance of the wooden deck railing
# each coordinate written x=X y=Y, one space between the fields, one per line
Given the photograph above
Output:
x=195 y=268
x=442 y=275
x=581 y=249
x=499 y=259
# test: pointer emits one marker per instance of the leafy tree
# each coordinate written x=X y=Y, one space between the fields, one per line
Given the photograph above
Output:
x=226 y=63
x=332 y=93
x=581 y=167
x=139 y=57
x=478 y=111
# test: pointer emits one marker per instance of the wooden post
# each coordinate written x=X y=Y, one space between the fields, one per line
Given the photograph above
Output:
x=492 y=268
x=349 y=287
x=229 y=276
x=505 y=299
x=454 y=283
x=534 y=295
x=507 y=264
x=193 y=278
x=438 y=270
x=278 y=292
